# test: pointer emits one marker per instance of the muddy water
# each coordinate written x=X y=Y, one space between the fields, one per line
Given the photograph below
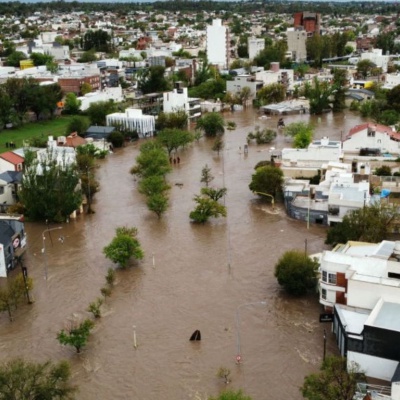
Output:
x=192 y=277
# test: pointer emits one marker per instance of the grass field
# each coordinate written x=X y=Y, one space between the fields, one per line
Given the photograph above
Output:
x=55 y=127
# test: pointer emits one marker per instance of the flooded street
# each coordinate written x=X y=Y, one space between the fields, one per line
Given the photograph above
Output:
x=192 y=277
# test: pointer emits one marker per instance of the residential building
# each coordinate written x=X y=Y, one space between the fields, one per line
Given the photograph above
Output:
x=12 y=241
x=255 y=46
x=326 y=203
x=10 y=161
x=218 y=44
x=108 y=93
x=9 y=184
x=360 y=282
x=378 y=138
x=376 y=57
x=178 y=99
x=244 y=81
x=391 y=80
x=296 y=40
x=277 y=75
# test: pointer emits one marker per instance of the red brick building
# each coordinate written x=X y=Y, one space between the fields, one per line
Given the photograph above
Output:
x=309 y=21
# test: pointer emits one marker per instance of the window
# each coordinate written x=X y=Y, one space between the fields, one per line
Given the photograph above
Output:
x=371 y=133
x=1 y=189
x=328 y=278
x=323 y=294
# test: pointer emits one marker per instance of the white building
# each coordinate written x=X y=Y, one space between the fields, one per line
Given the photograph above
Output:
x=178 y=99
x=255 y=46
x=109 y=93
x=276 y=75
x=134 y=120
x=377 y=58
x=381 y=138
x=242 y=81
x=218 y=44
x=361 y=282
x=391 y=80
x=296 y=40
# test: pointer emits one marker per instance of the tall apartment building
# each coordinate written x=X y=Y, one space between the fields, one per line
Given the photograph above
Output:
x=218 y=44
x=311 y=22
x=296 y=40
x=255 y=46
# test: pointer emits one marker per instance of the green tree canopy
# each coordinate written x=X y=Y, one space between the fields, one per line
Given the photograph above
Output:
x=301 y=133
x=98 y=111
x=25 y=380
x=152 y=160
x=206 y=208
x=212 y=124
x=296 y=272
x=97 y=40
x=124 y=246
x=173 y=139
x=368 y=224
x=50 y=190
x=41 y=59
x=273 y=93
x=364 y=68
x=335 y=381
x=77 y=335
x=15 y=57
x=153 y=80
x=267 y=179
x=77 y=124
x=172 y=120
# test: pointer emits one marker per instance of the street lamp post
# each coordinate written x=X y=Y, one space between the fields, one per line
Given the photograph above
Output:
x=269 y=195
x=61 y=239
x=238 y=353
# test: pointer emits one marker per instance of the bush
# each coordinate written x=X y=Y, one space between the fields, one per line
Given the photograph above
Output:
x=116 y=138
x=296 y=272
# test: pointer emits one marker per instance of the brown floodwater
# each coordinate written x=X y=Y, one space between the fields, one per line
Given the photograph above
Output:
x=192 y=277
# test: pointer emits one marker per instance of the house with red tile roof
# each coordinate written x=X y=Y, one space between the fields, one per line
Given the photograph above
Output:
x=381 y=138
x=72 y=140
x=10 y=161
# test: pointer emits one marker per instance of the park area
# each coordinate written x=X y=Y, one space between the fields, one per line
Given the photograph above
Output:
x=34 y=130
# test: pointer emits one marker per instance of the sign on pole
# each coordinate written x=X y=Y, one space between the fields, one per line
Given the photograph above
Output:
x=3 y=269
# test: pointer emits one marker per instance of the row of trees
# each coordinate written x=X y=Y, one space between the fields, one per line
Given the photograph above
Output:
x=18 y=96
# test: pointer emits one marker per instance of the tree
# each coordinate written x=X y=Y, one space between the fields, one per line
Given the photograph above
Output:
x=319 y=95
x=224 y=373
x=335 y=381
x=172 y=139
x=49 y=190
x=88 y=56
x=152 y=160
x=218 y=144
x=301 y=133
x=339 y=92
x=78 y=125
x=41 y=59
x=212 y=124
x=20 y=379
x=71 y=104
x=153 y=184
x=96 y=40
x=86 y=88
x=124 y=246
x=214 y=194
x=76 y=335
x=231 y=395
x=172 y=120
x=383 y=170
x=296 y=272
x=153 y=80
x=367 y=224
x=364 y=68
x=206 y=176
x=393 y=98
x=5 y=107
x=95 y=307
x=272 y=93
x=12 y=293
x=268 y=179
x=15 y=58
x=98 y=111
x=206 y=208
x=158 y=203
x=261 y=136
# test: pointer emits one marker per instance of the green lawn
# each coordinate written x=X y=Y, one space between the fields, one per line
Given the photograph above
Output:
x=55 y=127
